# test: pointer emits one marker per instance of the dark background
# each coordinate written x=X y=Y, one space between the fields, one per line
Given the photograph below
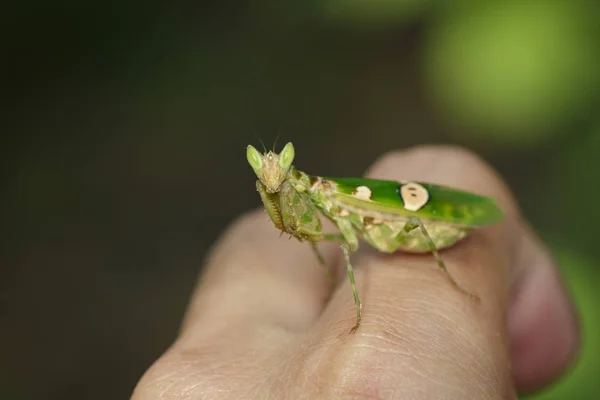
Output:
x=124 y=126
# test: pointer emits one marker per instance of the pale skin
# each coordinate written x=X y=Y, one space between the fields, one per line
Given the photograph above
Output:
x=265 y=323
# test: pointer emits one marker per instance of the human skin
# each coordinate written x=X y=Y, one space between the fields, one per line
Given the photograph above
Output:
x=263 y=322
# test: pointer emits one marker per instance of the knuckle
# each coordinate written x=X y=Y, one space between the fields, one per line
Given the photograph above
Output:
x=425 y=354
x=427 y=155
x=163 y=380
x=193 y=376
x=246 y=224
x=243 y=234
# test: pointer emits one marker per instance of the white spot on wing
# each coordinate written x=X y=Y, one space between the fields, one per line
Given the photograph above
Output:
x=414 y=196
x=362 y=193
x=344 y=213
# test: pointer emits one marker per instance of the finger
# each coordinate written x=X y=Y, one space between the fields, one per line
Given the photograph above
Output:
x=257 y=277
x=418 y=331
x=257 y=289
x=542 y=323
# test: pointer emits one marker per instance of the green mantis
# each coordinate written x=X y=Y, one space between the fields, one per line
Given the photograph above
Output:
x=410 y=216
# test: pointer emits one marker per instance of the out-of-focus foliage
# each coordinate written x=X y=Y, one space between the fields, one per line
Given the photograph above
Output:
x=575 y=167
x=127 y=124
x=371 y=13
x=514 y=72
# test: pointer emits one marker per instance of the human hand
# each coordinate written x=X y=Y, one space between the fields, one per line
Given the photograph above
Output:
x=265 y=324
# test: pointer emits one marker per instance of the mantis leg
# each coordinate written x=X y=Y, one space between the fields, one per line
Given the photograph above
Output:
x=346 y=249
x=333 y=237
x=348 y=236
x=322 y=263
x=417 y=223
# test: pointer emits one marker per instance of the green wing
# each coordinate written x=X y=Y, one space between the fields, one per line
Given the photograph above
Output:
x=445 y=204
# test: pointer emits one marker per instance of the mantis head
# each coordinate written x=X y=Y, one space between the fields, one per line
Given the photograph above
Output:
x=271 y=168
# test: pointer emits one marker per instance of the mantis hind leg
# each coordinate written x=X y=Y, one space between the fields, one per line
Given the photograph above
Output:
x=417 y=223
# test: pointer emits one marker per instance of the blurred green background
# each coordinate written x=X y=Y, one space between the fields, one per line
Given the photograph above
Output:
x=124 y=131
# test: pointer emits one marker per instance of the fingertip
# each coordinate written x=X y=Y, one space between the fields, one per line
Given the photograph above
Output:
x=543 y=322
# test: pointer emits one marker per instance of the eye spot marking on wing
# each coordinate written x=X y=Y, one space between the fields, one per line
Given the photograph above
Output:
x=413 y=195
x=362 y=193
